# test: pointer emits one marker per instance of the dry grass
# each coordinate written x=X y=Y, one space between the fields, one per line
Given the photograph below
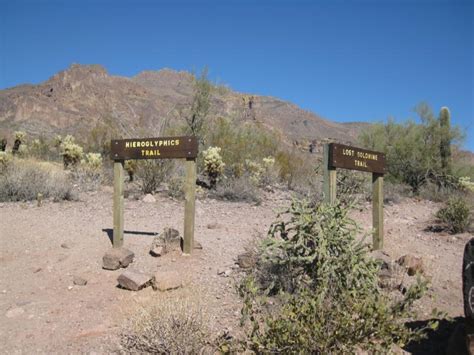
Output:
x=170 y=325
x=24 y=179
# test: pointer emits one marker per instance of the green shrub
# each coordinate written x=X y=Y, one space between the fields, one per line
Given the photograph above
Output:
x=23 y=180
x=315 y=289
x=415 y=153
x=455 y=214
x=152 y=173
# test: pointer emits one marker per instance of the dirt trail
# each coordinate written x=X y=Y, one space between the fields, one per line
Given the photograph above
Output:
x=43 y=248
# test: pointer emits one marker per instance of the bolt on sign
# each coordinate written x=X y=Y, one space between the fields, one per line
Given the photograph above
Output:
x=347 y=157
x=185 y=147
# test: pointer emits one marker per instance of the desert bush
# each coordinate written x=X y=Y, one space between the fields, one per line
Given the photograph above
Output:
x=315 y=289
x=176 y=187
x=152 y=173
x=213 y=164
x=174 y=326
x=352 y=186
x=455 y=214
x=416 y=153
x=92 y=161
x=466 y=183
x=39 y=148
x=237 y=189
x=23 y=180
x=240 y=142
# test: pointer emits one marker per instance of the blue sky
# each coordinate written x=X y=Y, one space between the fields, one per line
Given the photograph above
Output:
x=344 y=60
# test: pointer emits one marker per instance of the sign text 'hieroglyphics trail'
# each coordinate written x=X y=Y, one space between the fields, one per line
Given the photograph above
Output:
x=353 y=158
x=155 y=148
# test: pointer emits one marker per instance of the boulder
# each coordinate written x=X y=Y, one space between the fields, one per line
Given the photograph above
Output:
x=116 y=258
x=412 y=264
x=167 y=280
x=158 y=250
x=166 y=241
x=246 y=260
x=79 y=281
x=135 y=280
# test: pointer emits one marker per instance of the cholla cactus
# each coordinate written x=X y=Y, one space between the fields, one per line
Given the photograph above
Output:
x=57 y=141
x=92 y=161
x=268 y=162
x=255 y=170
x=5 y=159
x=19 y=139
x=70 y=151
x=466 y=183
x=3 y=144
x=213 y=164
x=130 y=167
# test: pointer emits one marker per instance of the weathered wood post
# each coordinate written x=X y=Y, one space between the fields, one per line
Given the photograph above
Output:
x=330 y=182
x=377 y=210
x=155 y=148
x=189 y=207
x=118 y=204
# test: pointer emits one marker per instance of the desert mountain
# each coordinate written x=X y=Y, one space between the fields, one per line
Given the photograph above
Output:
x=77 y=99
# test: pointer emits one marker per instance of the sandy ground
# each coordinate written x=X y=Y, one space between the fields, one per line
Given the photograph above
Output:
x=44 y=248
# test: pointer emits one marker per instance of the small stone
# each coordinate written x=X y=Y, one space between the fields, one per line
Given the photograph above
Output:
x=221 y=271
x=212 y=225
x=134 y=280
x=15 y=312
x=116 y=258
x=70 y=288
x=227 y=273
x=246 y=260
x=79 y=281
x=149 y=198
x=197 y=245
x=167 y=280
x=158 y=251
x=37 y=270
x=412 y=264
x=65 y=246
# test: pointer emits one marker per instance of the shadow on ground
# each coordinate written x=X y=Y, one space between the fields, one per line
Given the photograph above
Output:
x=443 y=340
x=110 y=233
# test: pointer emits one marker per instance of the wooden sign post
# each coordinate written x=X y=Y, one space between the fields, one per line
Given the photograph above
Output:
x=352 y=158
x=155 y=148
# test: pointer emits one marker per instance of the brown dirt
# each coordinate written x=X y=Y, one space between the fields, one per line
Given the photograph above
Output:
x=43 y=248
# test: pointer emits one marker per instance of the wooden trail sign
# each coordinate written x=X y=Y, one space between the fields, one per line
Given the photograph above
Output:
x=353 y=158
x=155 y=148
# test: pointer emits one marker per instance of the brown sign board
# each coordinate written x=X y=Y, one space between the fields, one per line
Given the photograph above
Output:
x=353 y=158
x=154 y=148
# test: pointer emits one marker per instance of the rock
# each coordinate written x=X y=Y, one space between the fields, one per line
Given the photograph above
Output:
x=135 y=280
x=79 y=281
x=167 y=241
x=149 y=198
x=117 y=258
x=227 y=273
x=412 y=264
x=158 y=250
x=66 y=246
x=246 y=261
x=15 y=312
x=167 y=280
x=197 y=245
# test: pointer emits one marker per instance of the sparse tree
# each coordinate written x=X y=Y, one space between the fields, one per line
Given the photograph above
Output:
x=201 y=103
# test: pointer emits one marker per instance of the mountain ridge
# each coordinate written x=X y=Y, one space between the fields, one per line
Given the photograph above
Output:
x=81 y=96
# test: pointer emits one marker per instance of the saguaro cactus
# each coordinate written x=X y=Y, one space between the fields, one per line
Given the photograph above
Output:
x=445 y=142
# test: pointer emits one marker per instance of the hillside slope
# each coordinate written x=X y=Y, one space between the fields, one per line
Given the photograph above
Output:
x=76 y=99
